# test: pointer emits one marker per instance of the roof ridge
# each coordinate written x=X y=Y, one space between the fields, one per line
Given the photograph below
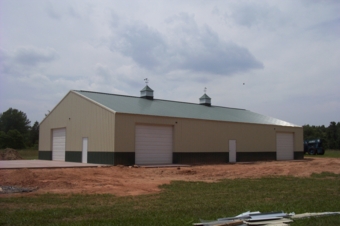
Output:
x=155 y=99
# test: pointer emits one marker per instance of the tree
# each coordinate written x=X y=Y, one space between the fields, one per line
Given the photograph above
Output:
x=14 y=127
x=332 y=135
x=13 y=139
x=3 y=139
x=338 y=140
x=13 y=119
x=34 y=134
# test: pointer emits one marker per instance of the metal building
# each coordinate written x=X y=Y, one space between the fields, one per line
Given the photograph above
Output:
x=115 y=129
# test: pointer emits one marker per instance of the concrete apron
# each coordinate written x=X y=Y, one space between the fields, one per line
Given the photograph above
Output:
x=37 y=164
x=163 y=166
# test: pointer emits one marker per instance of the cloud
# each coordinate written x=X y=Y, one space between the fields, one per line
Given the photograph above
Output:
x=140 y=42
x=186 y=46
x=256 y=14
x=26 y=60
x=51 y=12
x=33 y=56
x=329 y=28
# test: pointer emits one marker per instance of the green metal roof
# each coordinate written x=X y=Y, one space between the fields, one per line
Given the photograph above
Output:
x=142 y=106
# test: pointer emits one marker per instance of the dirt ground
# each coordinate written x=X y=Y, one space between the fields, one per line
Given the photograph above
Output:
x=124 y=181
x=9 y=154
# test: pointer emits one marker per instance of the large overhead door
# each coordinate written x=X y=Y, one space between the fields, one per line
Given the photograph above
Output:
x=58 y=144
x=153 y=144
x=285 y=146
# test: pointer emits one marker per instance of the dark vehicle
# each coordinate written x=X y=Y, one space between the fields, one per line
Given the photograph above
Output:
x=313 y=147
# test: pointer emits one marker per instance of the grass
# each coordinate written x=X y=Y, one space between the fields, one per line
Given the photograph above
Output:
x=328 y=154
x=181 y=203
x=27 y=154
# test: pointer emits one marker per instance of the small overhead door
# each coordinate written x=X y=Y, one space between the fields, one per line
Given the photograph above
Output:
x=58 y=144
x=285 y=146
x=153 y=144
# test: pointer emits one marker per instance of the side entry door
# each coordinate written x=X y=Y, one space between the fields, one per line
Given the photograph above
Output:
x=232 y=150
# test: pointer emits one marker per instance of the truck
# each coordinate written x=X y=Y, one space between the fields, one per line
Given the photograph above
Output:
x=313 y=147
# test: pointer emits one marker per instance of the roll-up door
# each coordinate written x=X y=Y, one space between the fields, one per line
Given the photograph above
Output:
x=58 y=144
x=153 y=144
x=285 y=146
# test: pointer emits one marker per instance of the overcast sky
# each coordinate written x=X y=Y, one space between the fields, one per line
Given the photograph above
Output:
x=277 y=58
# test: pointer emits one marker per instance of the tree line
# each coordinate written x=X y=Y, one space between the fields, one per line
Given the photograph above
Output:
x=330 y=136
x=16 y=130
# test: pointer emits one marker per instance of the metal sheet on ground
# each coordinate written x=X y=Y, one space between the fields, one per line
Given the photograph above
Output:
x=281 y=221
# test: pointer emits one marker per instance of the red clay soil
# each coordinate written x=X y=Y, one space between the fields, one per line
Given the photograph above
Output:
x=124 y=181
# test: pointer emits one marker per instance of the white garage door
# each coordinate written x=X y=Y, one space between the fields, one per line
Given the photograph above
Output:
x=285 y=146
x=153 y=144
x=58 y=144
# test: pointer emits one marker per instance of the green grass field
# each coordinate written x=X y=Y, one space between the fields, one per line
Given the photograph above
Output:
x=28 y=154
x=328 y=154
x=181 y=203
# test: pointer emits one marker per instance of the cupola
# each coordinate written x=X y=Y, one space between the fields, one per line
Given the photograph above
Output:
x=146 y=93
x=205 y=99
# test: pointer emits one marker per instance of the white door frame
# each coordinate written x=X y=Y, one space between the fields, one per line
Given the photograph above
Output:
x=84 y=151
x=58 y=144
x=284 y=146
x=232 y=150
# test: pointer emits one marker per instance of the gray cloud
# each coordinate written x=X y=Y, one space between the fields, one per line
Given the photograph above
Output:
x=330 y=28
x=51 y=12
x=186 y=47
x=25 y=60
x=32 y=56
x=143 y=44
x=256 y=14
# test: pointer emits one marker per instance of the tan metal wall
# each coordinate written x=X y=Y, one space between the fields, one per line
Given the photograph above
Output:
x=81 y=118
x=191 y=135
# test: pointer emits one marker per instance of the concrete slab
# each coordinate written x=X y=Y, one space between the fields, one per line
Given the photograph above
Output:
x=37 y=164
x=164 y=166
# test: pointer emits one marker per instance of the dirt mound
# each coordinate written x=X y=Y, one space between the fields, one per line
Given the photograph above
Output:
x=10 y=154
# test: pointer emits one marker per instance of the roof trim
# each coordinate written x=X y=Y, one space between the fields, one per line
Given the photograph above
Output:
x=95 y=102
x=55 y=107
x=73 y=91
x=214 y=120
